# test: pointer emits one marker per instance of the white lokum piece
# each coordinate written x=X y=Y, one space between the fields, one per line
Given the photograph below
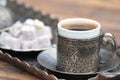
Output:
x=47 y=31
x=15 y=29
x=44 y=41
x=16 y=43
x=26 y=45
x=10 y=42
x=29 y=22
x=30 y=35
x=2 y=37
x=30 y=45
x=35 y=44
x=38 y=24
x=27 y=33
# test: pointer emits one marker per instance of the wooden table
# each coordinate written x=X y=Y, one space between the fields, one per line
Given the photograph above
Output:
x=107 y=12
x=11 y=72
x=12 y=68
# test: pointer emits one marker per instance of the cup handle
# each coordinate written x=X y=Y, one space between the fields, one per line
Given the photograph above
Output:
x=112 y=41
x=108 y=44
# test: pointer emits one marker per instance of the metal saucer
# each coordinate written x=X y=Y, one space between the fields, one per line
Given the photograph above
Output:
x=48 y=60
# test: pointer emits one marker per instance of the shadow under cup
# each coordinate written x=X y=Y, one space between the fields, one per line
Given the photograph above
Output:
x=78 y=47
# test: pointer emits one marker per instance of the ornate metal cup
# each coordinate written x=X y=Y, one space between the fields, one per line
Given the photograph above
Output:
x=77 y=51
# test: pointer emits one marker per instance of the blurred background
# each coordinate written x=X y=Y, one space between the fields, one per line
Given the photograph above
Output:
x=107 y=12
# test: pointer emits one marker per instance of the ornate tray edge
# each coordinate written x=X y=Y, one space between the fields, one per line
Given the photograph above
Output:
x=24 y=65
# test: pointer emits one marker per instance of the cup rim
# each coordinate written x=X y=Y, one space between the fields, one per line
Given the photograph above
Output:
x=78 y=19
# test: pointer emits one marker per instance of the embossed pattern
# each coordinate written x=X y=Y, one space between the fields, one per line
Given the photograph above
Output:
x=78 y=56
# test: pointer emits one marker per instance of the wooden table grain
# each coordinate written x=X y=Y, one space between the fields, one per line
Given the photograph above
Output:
x=107 y=12
x=11 y=72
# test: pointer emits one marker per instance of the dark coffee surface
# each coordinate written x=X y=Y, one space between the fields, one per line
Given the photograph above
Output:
x=79 y=27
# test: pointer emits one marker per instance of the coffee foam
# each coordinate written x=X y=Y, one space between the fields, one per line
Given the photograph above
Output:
x=67 y=24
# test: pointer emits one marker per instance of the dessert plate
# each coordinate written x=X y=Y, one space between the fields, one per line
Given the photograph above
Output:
x=21 y=12
x=48 y=60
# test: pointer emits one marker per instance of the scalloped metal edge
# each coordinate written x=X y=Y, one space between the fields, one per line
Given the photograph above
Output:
x=24 y=65
x=36 y=10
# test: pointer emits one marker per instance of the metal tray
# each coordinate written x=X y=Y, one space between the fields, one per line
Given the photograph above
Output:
x=22 y=12
x=24 y=65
